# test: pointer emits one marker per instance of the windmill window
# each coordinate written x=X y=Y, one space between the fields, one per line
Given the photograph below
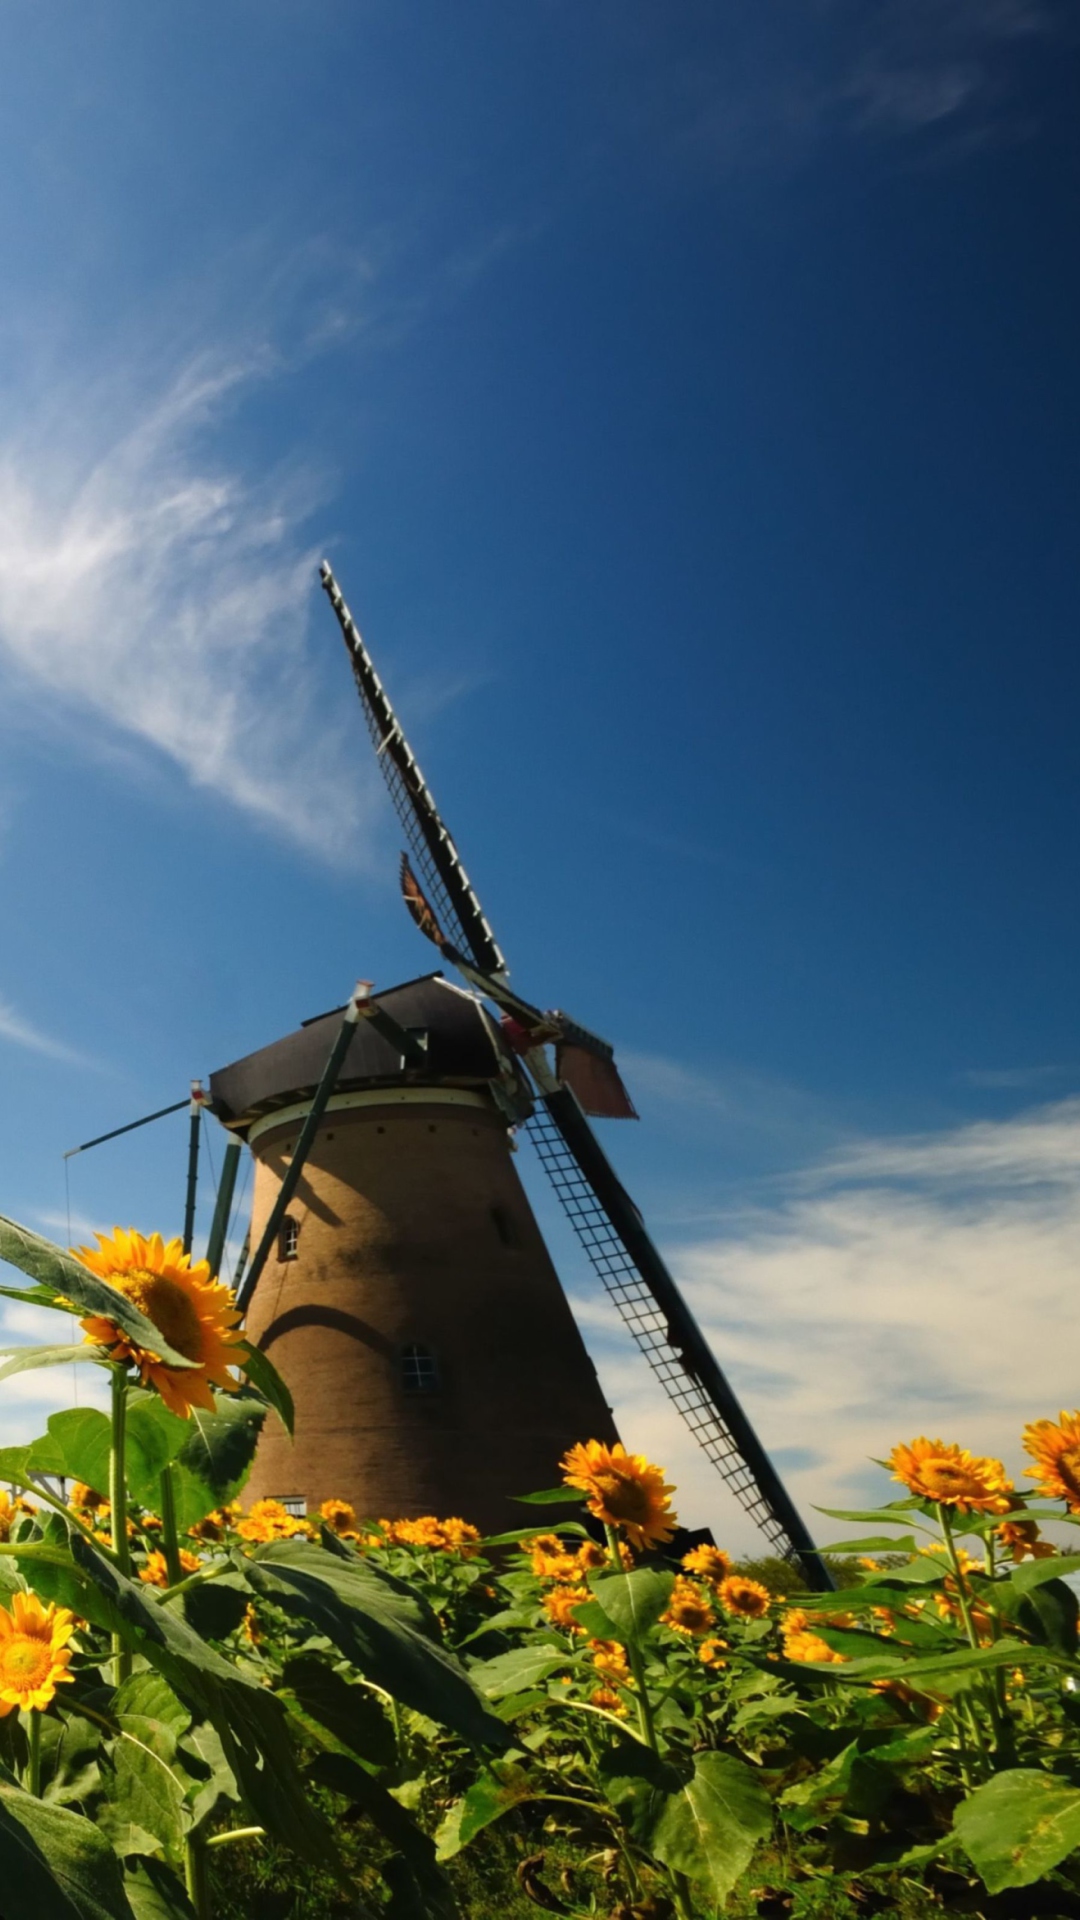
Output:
x=289 y=1238
x=505 y=1226
x=419 y=1370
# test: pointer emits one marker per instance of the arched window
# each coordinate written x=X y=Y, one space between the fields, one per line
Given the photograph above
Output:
x=288 y=1238
x=419 y=1370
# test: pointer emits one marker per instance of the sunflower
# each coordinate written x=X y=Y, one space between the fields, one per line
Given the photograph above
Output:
x=559 y=1606
x=591 y=1556
x=609 y=1658
x=952 y=1477
x=609 y=1701
x=1055 y=1449
x=196 y=1313
x=740 y=1595
x=624 y=1490
x=712 y=1563
x=688 y=1610
x=88 y=1499
x=12 y=1510
x=156 y=1571
x=269 y=1520
x=551 y=1560
x=806 y=1646
x=214 y=1526
x=34 y=1652
x=1021 y=1537
x=460 y=1536
x=709 y=1652
x=338 y=1516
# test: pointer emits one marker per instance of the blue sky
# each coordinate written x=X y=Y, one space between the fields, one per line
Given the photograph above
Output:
x=686 y=398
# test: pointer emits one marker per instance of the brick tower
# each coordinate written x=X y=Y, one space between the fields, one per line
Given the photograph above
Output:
x=410 y=1302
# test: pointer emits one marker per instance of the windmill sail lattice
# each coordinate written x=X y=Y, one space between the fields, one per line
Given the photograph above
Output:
x=648 y=1323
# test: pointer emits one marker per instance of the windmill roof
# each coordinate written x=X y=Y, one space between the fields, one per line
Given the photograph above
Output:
x=461 y=1051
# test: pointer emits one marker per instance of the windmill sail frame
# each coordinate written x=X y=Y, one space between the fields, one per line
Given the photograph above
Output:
x=604 y=1218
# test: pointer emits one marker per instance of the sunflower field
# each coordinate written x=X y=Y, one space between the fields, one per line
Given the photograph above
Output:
x=207 y=1710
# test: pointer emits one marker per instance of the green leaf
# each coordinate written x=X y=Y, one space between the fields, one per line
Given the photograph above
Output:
x=637 y=1783
x=153 y=1437
x=77 y=1446
x=1018 y=1826
x=23 y=1359
x=155 y=1893
x=144 y=1791
x=573 y=1527
x=54 y=1865
x=216 y=1608
x=266 y=1380
x=709 y=1829
x=518 y=1670
x=353 y=1714
x=551 y=1497
x=380 y=1626
x=874 y=1543
x=214 y=1780
x=496 y=1790
x=634 y=1601
x=60 y=1274
x=215 y=1460
x=1032 y=1573
x=903 y=1510
x=69 y=1758
x=252 y=1724
x=345 y=1776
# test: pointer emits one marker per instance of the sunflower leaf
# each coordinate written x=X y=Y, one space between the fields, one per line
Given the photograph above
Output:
x=550 y=1497
x=76 y=1447
x=266 y=1380
x=54 y=1862
x=710 y=1827
x=71 y=1287
x=632 y=1601
x=1018 y=1826
x=215 y=1460
x=23 y=1359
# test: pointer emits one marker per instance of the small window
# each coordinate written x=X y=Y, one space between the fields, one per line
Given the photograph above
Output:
x=419 y=1372
x=294 y=1504
x=505 y=1226
x=289 y=1238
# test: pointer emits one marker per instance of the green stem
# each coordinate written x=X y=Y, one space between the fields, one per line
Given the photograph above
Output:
x=238 y=1833
x=33 y=1770
x=195 y=1877
x=637 y=1664
x=169 y=1536
x=118 y=1502
x=988 y=1692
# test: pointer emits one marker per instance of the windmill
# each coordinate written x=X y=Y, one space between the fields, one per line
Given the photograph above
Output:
x=383 y=1182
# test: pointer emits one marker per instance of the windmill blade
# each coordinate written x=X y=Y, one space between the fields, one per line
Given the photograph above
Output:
x=611 y=1230
x=433 y=849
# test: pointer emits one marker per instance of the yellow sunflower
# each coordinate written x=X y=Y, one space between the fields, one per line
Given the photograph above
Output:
x=712 y=1563
x=806 y=1646
x=196 y=1314
x=156 y=1571
x=610 y=1701
x=12 y=1510
x=1055 y=1449
x=88 y=1499
x=1021 y=1537
x=338 y=1516
x=740 y=1595
x=270 y=1520
x=710 y=1652
x=214 y=1526
x=591 y=1556
x=559 y=1606
x=952 y=1476
x=460 y=1536
x=625 y=1490
x=34 y=1652
x=688 y=1610
x=609 y=1658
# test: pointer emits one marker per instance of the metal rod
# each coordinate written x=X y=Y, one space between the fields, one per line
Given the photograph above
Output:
x=242 y=1263
x=130 y=1128
x=194 y=1129
x=295 y=1168
x=219 y=1226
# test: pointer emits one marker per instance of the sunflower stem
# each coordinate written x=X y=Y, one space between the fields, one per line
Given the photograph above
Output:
x=964 y=1602
x=196 y=1882
x=118 y=1503
x=169 y=1536
x=33 y=1767
x=633 y=1653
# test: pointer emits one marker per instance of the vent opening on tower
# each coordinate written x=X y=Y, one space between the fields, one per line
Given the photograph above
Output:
x=419 y=1370
x=505 y=1226
x=289 y=1238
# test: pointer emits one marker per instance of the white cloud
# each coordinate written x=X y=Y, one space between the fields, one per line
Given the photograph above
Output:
x=918 y=1285
x=23 y=1033
x=151 y=593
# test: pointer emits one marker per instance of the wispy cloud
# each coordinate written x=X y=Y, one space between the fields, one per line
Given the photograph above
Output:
x=916 y=1285
x=152 y=593
x=23 y=1033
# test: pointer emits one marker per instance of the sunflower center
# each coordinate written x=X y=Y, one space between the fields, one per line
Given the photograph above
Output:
x=1068 y=1466
x=25 y=1663
x=168 y=1305
x=624 y=1498
x=949 y=1477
